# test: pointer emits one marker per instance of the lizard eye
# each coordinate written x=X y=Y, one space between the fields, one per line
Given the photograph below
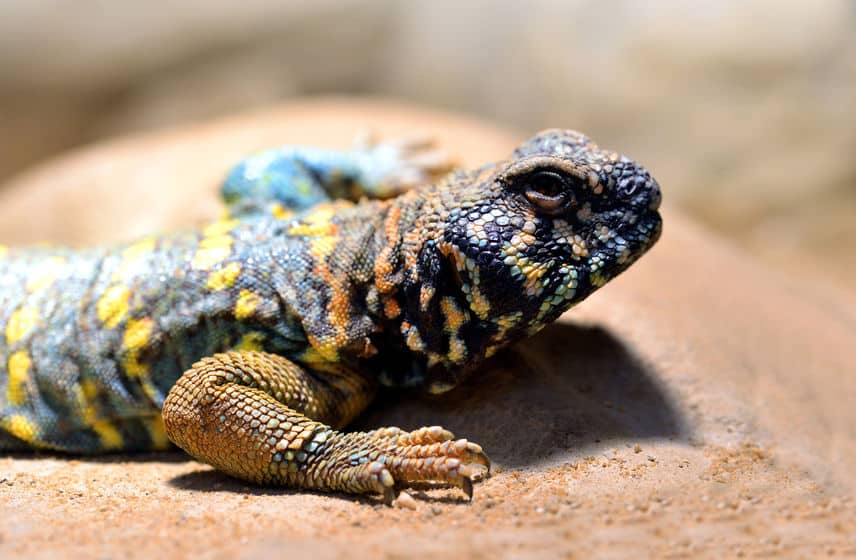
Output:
x=547 y=190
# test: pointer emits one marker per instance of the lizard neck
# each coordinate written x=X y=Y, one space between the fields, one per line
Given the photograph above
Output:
x=381 y=275
x=429 y=333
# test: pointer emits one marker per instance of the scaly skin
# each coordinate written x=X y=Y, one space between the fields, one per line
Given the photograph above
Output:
x=264 y=334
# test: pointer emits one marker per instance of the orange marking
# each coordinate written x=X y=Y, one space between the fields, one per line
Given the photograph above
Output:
x=384 y=268
x=391 y=308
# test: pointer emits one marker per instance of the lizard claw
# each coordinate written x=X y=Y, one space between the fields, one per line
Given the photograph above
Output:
x=389 y=495
x=432 y=454
x=390 y=459
x=467 y=487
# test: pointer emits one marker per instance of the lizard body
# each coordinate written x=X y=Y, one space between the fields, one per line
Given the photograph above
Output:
x=262 y=335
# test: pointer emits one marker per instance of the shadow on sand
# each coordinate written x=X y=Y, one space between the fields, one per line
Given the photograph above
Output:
x=570 y=387
x=567 y=390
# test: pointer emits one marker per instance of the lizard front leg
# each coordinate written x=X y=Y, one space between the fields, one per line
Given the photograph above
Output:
x=293 y=178
x=263 y=418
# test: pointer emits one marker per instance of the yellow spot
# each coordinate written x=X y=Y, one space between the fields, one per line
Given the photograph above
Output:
x=322 y=246
x=87 y=392
x=246 y=304
x=212 y=250
x=132 y=256
x=454 y=320
x=113 y=305
x=219 y=242
x=224 y=277
x=457 y=349
x=312 y=356
x=46 y=274
x=4 y=250
x=316 y=222
x=107 y=433
x=137 y=333
x=480 y=305
x=21 y=322
x=505 y=323
x=440 y=387
x=426 y=294
x=216 y=244
x=157 y=432
x=280 y=212
x=19 y=367
x=21 y=427
x=250 y=342
x=139 y=249
x=90 y=390
x=220 y=227
x=413 y=339
x=133 y=367
x=325 y=347
x=454 y=317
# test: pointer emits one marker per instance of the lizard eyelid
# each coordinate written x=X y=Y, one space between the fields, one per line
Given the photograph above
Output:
x=548 y=190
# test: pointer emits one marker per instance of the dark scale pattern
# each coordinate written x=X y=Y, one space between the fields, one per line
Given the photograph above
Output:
x=262 y=335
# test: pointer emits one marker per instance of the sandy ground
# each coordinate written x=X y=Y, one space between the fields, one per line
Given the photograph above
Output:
x=700 y=405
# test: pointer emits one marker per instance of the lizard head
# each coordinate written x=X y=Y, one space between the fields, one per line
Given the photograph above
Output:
x=520 y=242
x=538 y=233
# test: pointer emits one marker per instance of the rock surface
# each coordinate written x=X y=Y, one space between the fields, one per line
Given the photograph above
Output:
x=697 y=404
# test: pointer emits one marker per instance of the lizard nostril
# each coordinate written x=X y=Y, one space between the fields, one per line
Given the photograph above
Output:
x=628 y=187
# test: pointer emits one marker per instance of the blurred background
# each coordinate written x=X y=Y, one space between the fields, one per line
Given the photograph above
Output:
x=744 y=110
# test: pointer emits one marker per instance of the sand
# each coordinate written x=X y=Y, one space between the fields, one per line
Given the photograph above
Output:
x=699 y=405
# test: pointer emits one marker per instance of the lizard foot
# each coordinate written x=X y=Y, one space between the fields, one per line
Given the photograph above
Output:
x=401 y=164
x=223 y=411
x=391 y=459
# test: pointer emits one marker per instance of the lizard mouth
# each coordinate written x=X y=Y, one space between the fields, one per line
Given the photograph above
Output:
x=450 y=266
x=613 y=256
x=642 y=235
x=654 y=223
